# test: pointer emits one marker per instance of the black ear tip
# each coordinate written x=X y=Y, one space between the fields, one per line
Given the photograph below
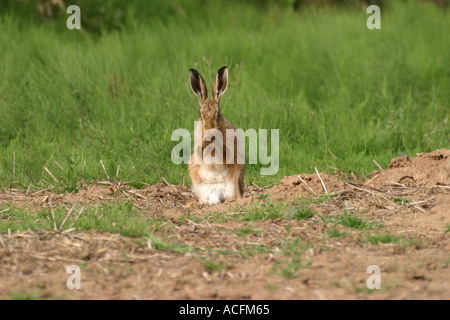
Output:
x=193 y=71
x=222 y=69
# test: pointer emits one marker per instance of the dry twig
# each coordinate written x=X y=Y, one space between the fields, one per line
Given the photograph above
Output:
x=321 y=181
x=309 y=189
x=104 y=169
x=50 y=174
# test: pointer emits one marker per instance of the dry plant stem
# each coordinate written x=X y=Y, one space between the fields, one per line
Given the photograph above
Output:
x=67 y=216
x=386 y=197
x=104 y=169
x=372 y=179
x=307 y=186
x=396 y=183
x=321 y=181
x=53 y=215
x=165 y=181
x=355 y=178
x=76 y=219
x=137 y=194
x=335 y=158
x=14 y=165
x=379 y=167
x=50 y=174
x=182 y=179
x=56 y=162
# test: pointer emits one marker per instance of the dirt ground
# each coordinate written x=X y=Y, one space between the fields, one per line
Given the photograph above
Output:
x=410 y=199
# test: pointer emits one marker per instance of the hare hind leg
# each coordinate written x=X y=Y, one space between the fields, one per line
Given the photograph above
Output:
x=241 y=187
x=236 y=177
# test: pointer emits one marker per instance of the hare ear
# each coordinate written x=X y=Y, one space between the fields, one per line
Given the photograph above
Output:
x=198 y=85
x=220 y=83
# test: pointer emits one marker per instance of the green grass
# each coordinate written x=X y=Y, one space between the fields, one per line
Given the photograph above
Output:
x=248 y=231
x=336 y=233
x=345 y=282
x=318 y=75
x=120 y=217
x=383 y=238
x=387 y=237
x=250 y=251
x=298 y=212
x=353 y=221
x=402 y=200
x=24 y=295
x=350 y=220
x=267 y=210
x=212 y=265
x=291 y=259
x=165 y=244
x=446 y=262
x=412 y=242
x=272 y=286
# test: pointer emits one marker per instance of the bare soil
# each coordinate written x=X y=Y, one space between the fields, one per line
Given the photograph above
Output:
x=409 y=200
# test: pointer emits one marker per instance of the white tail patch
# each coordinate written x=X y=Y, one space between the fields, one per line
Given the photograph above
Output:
x=214 y=188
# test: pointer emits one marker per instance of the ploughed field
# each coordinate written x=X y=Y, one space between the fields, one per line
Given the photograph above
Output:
x=312 y=236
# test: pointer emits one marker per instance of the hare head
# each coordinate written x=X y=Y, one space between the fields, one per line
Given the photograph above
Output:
x=209 y=107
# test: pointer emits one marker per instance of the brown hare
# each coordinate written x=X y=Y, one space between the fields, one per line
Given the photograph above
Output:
x=214 y=182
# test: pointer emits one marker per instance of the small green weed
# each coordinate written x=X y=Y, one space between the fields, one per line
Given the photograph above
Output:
x=291 y=261
x=212 y=265
x=383 y=238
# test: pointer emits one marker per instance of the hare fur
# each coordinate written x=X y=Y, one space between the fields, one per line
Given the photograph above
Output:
x=214 y=183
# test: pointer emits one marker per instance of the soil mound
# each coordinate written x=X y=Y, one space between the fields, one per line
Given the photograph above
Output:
x=304 y=184
x=425 y=170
